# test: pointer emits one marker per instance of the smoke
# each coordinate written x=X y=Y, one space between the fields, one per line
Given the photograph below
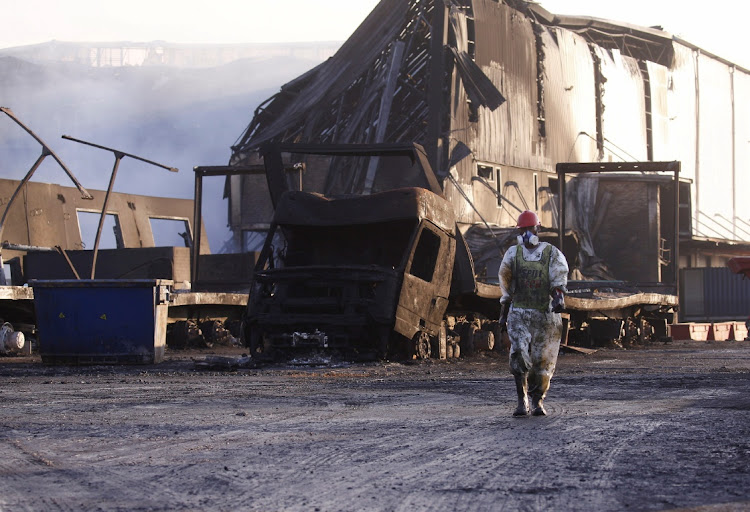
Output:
x=177 y=116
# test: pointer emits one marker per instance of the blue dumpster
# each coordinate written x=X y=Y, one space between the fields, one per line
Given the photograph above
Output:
x=101 y=321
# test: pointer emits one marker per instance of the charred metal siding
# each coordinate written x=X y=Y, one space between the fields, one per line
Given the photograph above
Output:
x=623 y=119
x=461 y=130
x=505 y=50
x=46 y=215
x=570 y=98
x=507 y=138
x=303 y=102
x=577 y=89
x=681 y=131
x=661 y=114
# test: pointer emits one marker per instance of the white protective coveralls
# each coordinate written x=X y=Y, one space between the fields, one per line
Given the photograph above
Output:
x=534 y=333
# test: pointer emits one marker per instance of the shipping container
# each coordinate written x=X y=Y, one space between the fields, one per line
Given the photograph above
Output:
x=713 y=295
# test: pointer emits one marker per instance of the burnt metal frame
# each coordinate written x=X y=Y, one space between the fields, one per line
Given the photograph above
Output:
x=271 y=153
x=351 y=117
x=46 y=151
x=119 y=155
x=674 y=167
x=202 y=171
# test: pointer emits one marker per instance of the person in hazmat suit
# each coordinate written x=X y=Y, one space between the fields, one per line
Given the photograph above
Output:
x=533 y=276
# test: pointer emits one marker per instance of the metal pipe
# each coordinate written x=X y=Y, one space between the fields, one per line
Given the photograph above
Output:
x=118 y=157
x=3 y=280
x=83 y=191
x=67 y=259
x=677 y=227
x=734 y=155
x=561 y=214
x=170 y=169
x=197 y=213
x=46 y=151
x=27 y=248
x=466 y=197
x=498 y=195
x=721 y=227
x=697 y=204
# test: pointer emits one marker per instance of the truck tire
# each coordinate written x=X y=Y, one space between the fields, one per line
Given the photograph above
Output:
x=422 y=345
x=440 y=343
x=500 y=345
x=484 y=340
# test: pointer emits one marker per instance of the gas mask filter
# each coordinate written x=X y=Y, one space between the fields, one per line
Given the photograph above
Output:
x=528 y=238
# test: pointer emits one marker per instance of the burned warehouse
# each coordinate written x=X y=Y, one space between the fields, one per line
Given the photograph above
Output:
x=371 y=199
x=498 y=93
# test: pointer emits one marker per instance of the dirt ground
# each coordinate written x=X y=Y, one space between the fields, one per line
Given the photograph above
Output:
x=661 y=428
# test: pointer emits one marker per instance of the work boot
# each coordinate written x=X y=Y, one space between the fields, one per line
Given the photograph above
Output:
x=537 y=406
x=523 y=398
x=539 y=387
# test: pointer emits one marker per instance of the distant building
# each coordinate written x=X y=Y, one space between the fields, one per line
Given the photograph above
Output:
x=161 y=53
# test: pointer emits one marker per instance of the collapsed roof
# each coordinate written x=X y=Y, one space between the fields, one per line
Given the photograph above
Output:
x=380 y=80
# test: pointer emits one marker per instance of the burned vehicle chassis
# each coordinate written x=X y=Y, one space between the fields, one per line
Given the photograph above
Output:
x=367 y=276
x=323 y=307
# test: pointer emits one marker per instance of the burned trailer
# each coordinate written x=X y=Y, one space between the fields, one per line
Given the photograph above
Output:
x=369 y=276
x=627 y=218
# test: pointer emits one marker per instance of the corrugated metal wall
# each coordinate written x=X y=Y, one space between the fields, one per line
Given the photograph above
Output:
x=570 y=104
x=524 y=136
x=624 y=116
x=660 y=78
x=506 y=51
x=714 y=173
x=680 y=135
x=710 y=294
x=742 y=152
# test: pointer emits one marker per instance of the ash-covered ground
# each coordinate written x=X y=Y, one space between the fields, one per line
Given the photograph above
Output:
x=661 y=428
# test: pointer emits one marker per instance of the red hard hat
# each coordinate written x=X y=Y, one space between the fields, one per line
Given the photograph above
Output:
x=528 y=219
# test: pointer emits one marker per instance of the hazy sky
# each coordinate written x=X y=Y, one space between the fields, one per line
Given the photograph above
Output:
x=719 y=29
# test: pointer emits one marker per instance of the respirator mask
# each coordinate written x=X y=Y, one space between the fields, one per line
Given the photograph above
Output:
x=528 y=238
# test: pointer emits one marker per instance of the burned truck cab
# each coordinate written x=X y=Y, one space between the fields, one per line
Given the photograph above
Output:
x=365 y=275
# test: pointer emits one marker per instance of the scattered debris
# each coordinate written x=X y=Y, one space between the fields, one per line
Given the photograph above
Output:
x=225 y=363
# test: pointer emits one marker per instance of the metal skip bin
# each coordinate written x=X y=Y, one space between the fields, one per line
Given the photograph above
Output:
x=101 y=321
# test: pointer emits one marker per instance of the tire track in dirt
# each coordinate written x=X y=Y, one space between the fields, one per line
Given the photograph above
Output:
x=16 y=462
x=108 y=454
x=74 y=486
x=393 y=463
x=610 y=454
x=431 y=437
x=329 y=448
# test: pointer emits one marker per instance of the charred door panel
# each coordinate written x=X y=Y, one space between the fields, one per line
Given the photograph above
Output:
x=426 y=284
